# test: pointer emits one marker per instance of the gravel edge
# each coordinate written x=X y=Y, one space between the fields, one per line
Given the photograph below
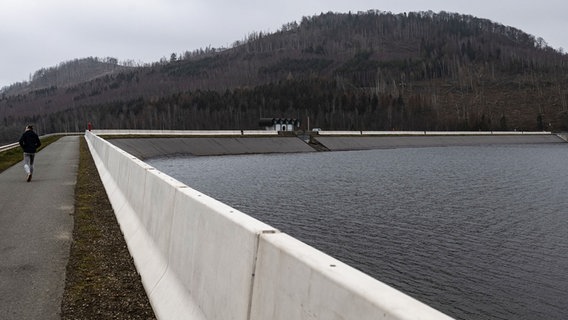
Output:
x=101 y=279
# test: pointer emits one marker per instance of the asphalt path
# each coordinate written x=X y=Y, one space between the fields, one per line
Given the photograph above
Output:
x=36 y=226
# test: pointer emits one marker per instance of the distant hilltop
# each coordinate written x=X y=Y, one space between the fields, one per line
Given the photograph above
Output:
x=66 y=74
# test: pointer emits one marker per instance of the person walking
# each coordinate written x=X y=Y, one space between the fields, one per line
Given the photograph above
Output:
x=29 y=141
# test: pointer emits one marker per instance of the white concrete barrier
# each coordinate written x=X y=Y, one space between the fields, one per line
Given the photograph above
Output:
x=260 y=133
x=168 y=132
x=485 y=133
x=111 y=132
x=430 y=133
x=296 y=281
x=394 y=133
x=213 y=254
x=339 y=133
x=201 y=259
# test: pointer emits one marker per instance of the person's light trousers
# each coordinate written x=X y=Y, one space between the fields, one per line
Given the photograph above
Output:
x=29 y=162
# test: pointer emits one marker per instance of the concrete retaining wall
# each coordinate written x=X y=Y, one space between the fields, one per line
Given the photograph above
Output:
x=154 y=147
x=431 y=133
x=367 y=142
x=201 y=259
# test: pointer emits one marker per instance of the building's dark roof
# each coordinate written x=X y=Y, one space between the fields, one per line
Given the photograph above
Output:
x=267 y=122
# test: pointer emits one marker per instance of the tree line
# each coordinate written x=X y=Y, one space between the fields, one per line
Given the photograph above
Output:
x=327 y=103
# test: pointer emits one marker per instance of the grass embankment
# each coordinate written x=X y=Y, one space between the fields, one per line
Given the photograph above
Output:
x=101 y=280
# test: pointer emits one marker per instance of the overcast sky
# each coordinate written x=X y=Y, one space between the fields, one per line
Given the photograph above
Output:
x=37 y=34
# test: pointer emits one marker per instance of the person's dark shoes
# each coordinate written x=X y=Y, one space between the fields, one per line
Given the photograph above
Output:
x=29 y=178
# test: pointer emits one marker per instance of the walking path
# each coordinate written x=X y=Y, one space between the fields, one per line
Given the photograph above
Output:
x=36 y=226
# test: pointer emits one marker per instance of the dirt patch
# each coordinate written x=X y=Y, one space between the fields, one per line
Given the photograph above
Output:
x=101 y=280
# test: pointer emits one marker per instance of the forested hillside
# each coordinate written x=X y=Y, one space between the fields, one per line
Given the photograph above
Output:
x=66 y=74
x=364 y=71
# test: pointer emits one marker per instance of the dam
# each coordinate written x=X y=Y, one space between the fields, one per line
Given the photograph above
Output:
x=279 y=277
x=147 y=144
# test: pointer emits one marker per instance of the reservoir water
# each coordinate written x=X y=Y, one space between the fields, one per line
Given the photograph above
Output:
x=478 y=232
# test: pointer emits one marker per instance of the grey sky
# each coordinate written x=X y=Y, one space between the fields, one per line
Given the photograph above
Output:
x=38 y=34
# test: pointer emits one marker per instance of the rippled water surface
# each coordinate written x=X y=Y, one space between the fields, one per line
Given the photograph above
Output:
x=475 y=232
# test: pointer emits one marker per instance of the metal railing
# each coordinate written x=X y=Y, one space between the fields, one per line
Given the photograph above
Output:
x=9 y=146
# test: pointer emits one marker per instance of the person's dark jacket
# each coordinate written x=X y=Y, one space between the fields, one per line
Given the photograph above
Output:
x=30 y=141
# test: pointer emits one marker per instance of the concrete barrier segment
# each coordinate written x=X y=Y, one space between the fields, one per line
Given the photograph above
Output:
x=158 y=207
x=430 y=133
x=296 y=281
x=213 y=253
x=340 y=133
x=150 y=262
x=114 y=163
x=134 y=183
x=139 y=222
x=260 y=133
x=169 y=132
x=393 y=133
x=129 y=180
x=171 y=300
